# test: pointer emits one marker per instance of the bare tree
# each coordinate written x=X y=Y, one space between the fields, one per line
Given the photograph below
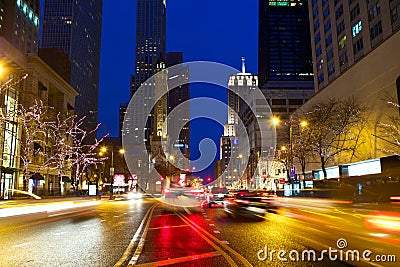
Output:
x=389 y=131
x=332 y=126
x=302 y=150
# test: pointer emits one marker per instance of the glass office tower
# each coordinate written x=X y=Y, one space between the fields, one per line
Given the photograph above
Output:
x=75 y=28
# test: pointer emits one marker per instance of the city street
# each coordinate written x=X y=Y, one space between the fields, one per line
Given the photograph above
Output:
x=146 y=232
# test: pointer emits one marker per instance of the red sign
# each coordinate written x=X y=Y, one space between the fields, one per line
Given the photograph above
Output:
x=282 y=181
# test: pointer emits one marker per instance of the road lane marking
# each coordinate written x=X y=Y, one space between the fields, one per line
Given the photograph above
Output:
x=86 y=225
x=204 y=234
x=21 y=245
x=131 y=245
x=169 y=226
x=211 y=224
x=225 y=242
x=142 y=241
x=60 y=233
x=216 y=232
x=210 y=242
x=181 y=259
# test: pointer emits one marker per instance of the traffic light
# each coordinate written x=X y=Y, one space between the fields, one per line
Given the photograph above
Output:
x=209 y=179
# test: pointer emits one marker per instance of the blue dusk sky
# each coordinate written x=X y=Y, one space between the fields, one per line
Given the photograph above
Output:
x=221 y=31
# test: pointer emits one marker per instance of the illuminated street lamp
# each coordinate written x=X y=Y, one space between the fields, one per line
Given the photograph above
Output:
x=303 y=123
x=103 y=150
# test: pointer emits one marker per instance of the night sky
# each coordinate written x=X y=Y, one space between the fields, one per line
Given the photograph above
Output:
x=213 y=30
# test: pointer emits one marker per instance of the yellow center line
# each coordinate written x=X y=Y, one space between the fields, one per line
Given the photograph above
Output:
x=181 y=259
x=204 y=234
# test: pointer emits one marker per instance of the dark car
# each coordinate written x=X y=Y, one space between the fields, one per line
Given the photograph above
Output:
x=249 y=204
x=217 y=195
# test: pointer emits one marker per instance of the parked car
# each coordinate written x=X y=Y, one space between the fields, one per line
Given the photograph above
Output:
x=217 y=195
x=249 y=204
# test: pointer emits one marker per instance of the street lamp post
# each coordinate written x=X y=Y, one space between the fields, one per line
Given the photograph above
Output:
x=104 y=150
x=303 y=123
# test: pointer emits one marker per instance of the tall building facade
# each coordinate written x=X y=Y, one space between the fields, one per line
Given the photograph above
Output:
x=343 y=32
x=240 y=84
x=176 y=96
x=284 y=51
x=75 y=28
x=285 y=76
x=150 y=59
x=150 y=39
x=19 y=24
x=355 y=54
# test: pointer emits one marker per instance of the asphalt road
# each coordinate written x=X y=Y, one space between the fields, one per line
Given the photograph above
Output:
x=95 y=236
x=148 y=233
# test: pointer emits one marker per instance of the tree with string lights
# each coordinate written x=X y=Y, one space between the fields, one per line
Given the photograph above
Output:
x=84 y=155
x=34 y=128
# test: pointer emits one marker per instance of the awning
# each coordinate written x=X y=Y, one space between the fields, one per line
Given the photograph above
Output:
x=36 y=176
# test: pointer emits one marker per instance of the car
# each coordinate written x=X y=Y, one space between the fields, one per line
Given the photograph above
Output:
x=182 y=196
x=129 y=196
x=216 y=195
x=249 y=204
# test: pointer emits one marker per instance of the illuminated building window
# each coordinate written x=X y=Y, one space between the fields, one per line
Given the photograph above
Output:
x=25 y=9
x=356 y=29
x=342 y=42
x=279 y=2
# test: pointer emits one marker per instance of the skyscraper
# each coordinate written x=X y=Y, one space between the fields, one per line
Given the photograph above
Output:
x=355 y=54
x=150 y=58
x=75 y=28
x=284 y=58
x=284 y=50
x=177 y=96
x=343 y=33
x=240 y=84
x=150 y=39
x=19 y=24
